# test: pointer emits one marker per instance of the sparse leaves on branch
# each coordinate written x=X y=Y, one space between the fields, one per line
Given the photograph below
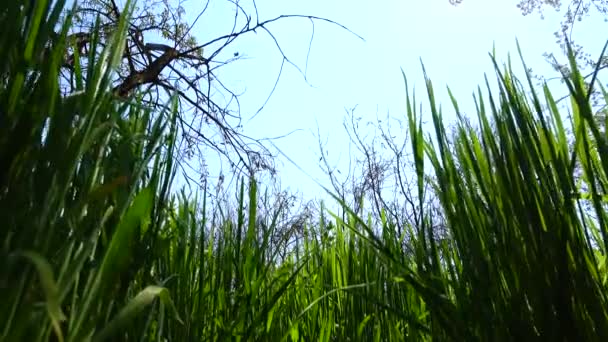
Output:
x=573 y=11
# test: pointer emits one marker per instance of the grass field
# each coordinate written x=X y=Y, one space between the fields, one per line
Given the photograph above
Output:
x=96 y=245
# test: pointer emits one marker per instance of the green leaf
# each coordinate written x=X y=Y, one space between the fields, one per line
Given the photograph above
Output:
x=49 y=287
x=134 y=308
x=118 y=253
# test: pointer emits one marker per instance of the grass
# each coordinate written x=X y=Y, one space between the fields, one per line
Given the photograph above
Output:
x=96 y=245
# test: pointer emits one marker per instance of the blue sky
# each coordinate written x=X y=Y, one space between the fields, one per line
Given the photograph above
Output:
x=343 y=71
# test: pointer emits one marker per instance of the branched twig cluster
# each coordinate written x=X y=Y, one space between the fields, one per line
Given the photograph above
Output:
x=380 y=171
x=162 y=58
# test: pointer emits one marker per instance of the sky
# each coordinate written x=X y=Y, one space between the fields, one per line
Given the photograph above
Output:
x=343 y=71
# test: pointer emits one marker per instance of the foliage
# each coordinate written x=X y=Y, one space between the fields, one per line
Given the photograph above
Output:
x=95 y=245
x=78 y=197
x=533 y=257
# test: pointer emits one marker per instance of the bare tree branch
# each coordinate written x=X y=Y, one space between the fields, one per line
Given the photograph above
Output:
x=177 y=64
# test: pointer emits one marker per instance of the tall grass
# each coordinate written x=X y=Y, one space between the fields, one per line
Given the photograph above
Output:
x=95 y=245
x=523 y=259
x=78 y=199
